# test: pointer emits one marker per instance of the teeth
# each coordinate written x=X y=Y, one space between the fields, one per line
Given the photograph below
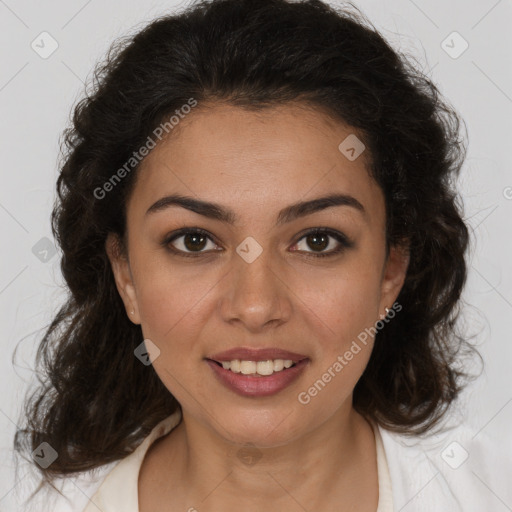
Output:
x=247 y=367
x=265 y=367
x=257 y=367
x=235 y=366
x=278 y=365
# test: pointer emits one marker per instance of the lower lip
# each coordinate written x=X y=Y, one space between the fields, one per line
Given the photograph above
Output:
x=248 y=385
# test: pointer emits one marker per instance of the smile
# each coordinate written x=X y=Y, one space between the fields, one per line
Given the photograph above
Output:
x=257 y=378
x=263 y=368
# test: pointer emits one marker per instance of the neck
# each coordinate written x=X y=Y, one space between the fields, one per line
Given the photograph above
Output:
x=336 y=459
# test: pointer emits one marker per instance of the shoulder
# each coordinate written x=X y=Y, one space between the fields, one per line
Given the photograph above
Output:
x=111 y=483
x=460 y=469
x=72 y=495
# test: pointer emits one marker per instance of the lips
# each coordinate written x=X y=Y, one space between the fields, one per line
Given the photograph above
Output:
x=252 y=386
x=251 y=354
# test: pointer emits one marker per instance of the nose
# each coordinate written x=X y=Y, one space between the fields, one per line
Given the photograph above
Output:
x=256 y=295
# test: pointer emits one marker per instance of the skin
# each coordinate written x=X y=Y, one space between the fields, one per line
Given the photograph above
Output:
x=315 y=456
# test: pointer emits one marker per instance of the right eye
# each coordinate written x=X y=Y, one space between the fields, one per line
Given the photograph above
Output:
x=188 y=242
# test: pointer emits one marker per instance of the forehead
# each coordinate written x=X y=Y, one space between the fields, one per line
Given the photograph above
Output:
x=255 y=162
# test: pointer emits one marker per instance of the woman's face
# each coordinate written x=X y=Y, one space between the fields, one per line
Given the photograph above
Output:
x=255 y=282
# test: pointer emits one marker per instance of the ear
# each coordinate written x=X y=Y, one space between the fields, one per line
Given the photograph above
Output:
x=395 y=270
x=123 y=276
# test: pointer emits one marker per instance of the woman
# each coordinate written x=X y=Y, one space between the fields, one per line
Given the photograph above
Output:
x=265 y=256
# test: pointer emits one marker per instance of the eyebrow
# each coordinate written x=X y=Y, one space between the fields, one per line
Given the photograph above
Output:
x=288 y=214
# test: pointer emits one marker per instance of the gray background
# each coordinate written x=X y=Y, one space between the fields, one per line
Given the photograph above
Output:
x=36 y=96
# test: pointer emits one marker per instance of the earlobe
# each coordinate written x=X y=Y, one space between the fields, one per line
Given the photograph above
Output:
x=395 y=271
x=122 y=276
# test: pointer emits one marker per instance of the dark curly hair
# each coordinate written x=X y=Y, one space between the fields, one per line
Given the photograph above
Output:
x=95 y=401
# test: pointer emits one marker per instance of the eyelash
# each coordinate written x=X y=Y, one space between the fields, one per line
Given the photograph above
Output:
x=344 y=242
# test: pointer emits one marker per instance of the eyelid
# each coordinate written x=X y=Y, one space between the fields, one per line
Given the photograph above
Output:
x=343 y=241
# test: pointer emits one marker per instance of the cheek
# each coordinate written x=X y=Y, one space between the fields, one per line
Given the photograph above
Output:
x=340 y=303
x=171 y=305
x=341 y=313
x=343 y=340
x=170 y=298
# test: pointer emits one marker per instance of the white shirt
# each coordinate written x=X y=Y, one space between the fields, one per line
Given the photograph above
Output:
x=458 y=471
x=119 y=490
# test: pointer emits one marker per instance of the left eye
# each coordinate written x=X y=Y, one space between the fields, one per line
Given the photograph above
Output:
x=319 y=241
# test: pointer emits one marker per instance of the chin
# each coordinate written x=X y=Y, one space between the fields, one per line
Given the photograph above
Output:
x=265 y=429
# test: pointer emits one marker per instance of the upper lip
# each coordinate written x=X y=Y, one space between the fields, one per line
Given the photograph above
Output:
x=253 y=354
